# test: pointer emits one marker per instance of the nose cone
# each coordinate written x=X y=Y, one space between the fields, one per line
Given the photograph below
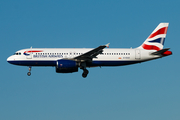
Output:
x=10 y=59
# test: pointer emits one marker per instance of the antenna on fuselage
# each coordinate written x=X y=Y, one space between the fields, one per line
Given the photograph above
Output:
x=31 y=48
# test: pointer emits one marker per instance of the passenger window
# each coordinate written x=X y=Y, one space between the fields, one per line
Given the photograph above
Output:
x=19 y=53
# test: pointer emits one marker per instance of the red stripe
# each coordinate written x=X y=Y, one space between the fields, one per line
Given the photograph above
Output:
x=150 y=47
x=160 y=31
x=33 y=51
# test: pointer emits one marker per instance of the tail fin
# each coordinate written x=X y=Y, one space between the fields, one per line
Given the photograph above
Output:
x=156 y=39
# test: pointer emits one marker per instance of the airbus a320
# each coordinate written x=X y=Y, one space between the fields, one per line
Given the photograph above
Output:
x=68 y=60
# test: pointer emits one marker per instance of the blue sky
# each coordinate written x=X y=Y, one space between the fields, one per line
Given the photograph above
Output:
x=148 y=90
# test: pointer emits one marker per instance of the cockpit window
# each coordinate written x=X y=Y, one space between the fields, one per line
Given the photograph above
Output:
x=17 y=54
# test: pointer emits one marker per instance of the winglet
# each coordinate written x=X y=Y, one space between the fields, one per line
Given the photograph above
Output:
x=107 y=45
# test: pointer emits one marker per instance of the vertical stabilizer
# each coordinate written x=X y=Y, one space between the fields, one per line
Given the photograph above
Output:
x=156 y=39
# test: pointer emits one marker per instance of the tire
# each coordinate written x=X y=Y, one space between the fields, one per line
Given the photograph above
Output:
x=29 y=73
x=84 y=75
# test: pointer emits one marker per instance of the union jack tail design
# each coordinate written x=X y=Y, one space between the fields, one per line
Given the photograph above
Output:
x=156 y=39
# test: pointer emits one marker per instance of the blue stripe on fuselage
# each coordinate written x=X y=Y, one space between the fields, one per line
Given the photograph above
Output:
x=53 y=63
x=111 y=63
x=34 y=63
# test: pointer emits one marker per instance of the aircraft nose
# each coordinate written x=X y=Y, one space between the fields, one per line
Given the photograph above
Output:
x=9 y=59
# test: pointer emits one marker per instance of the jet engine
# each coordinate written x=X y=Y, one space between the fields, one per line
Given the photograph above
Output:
x=66 y=66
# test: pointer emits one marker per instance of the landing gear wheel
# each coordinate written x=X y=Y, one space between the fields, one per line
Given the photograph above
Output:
x=85 y=73
x=29 y=73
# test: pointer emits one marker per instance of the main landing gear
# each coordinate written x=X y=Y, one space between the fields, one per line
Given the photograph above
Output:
x=85 y=71
x=29 y=73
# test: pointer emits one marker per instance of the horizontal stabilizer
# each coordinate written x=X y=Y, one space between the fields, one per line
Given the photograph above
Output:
x=160 y=51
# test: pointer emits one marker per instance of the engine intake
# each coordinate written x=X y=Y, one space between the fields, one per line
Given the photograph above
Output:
x=66 y=66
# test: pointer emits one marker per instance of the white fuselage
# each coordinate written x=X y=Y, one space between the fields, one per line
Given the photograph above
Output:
x=109 y=56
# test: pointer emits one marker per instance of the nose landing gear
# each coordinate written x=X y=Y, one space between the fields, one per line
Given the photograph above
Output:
x=29 y=73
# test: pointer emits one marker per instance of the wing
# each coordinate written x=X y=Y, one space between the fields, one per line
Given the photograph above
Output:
x=88 y=56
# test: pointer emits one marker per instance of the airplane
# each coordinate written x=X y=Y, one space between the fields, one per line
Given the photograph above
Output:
x=68 y=60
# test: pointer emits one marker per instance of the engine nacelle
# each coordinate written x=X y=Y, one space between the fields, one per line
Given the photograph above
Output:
x=66 y=66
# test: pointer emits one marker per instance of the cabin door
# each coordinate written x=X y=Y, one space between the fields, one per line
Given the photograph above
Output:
x=137 y=54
